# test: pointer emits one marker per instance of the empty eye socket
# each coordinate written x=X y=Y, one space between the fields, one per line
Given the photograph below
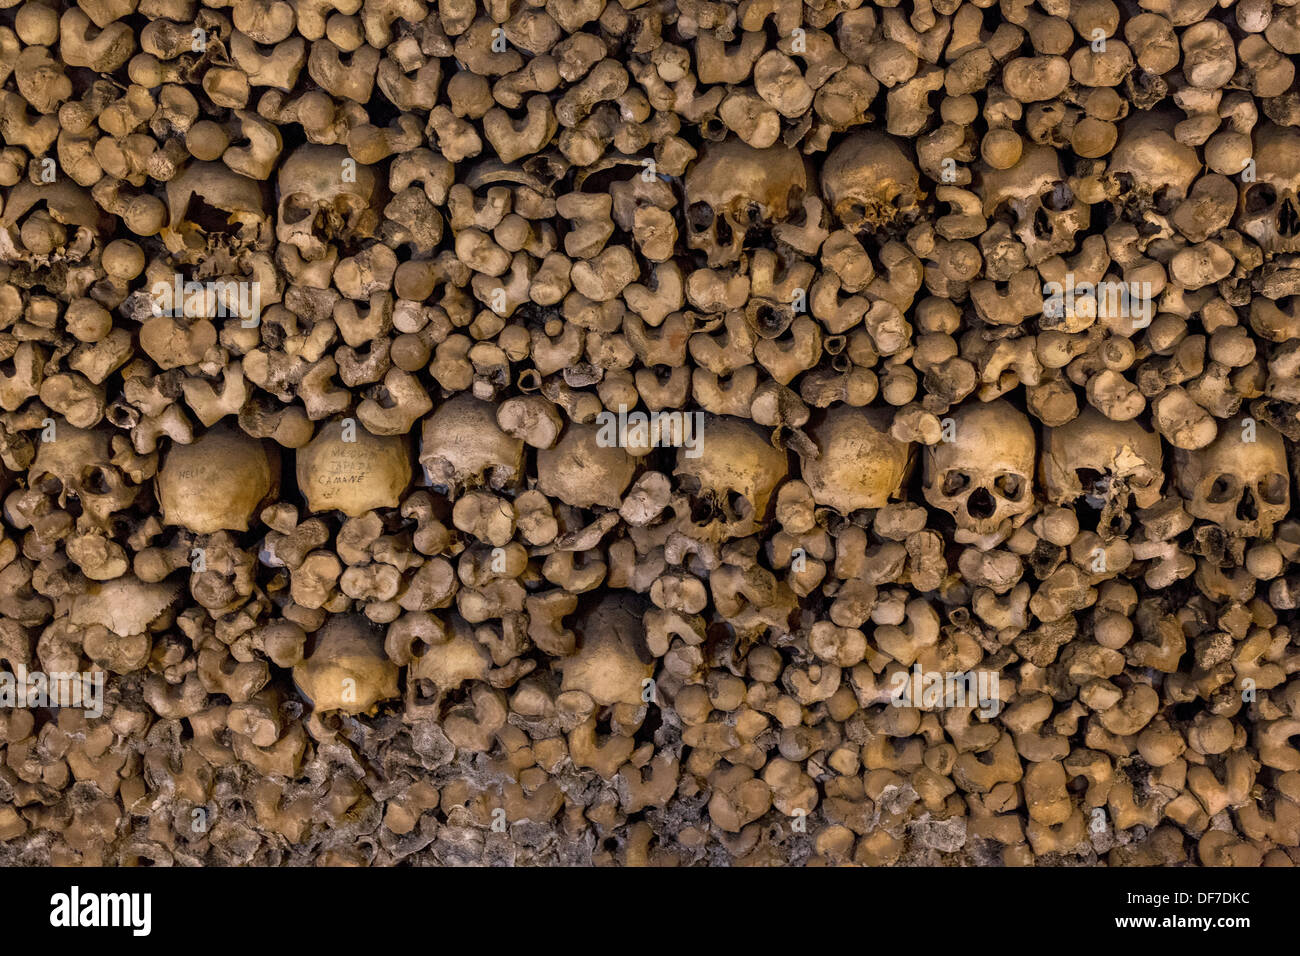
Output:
x=753 y=214
x=95 y=481
x=293 y=212
x=955 y=482
x=1224 y=488
x=1260 y=197
x=1273 y=489
x=1009 y=486
x=700 y=216
x=854 y=212
x=1059 y=197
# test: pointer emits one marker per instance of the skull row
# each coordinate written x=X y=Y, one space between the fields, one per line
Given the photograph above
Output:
x=983 y=474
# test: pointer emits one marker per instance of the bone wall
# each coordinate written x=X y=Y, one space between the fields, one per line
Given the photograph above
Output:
x=659 y=432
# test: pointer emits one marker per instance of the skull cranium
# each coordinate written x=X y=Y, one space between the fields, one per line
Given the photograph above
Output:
x=859 y=465
x=213 y=215
x=984 y=477
x=1149 y=172
x=1044 y=214
x=1104 y=462
x=1270 y=206
x=869 y=182
x=734 y=188
x=323 y=199
x=1243 y=486
x=732 y=480
x=77 y=463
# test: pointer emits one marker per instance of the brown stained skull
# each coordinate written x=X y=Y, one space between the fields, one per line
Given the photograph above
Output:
x=1149 y=172
x=65 y=212
x=463 y=447
x=984 y=476
x=213 y=215
x=1104 y=463
x=77 y=464
x=1034 y=199
x=869 y=182
x=325 y=198
x=731 y=482
x=734 y=188
x=858 y=466
x=1241 y=485
x=1270 y=206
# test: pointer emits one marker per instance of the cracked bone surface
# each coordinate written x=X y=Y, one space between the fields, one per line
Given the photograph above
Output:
x=698 y=433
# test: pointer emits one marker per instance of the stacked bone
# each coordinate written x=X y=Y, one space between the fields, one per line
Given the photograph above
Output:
x=367 y=582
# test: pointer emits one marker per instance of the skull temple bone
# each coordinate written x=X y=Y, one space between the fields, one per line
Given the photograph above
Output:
x=734 y=188
x=984 y=477
x=1241 y=485
x=325 y=197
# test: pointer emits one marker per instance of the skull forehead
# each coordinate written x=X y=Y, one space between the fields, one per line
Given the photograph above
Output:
x=317 y=172
x=1093 y=441
x=733 y=174
x=736 y=456
x=1153 y=158
x=987 y=438
x=868 y=163
x=1277 y=155
x=71 y=452
x=1038 y=168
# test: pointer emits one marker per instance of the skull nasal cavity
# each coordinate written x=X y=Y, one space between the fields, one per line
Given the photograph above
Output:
x=1247 y=507
x=1288 y=220
x=981 y=504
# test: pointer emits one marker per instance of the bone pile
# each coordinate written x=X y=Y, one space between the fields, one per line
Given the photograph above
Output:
x=649 y=432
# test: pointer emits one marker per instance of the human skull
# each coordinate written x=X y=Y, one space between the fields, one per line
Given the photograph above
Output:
x=318 y=205
x=734 y=188
x=213 y=215
x=869 y=182
x=60 y=205
x=216 y=482
x=1104 y=462
x=1149 y=172
x=984 y=477
x=611 y=662
x=77 y=463
x=1034 y=199
x=347 y=669
x=859 y=465
x=353 y=476
x=1242 y=486
x=462 y=442
x=731 y=482
x=1270 y=206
